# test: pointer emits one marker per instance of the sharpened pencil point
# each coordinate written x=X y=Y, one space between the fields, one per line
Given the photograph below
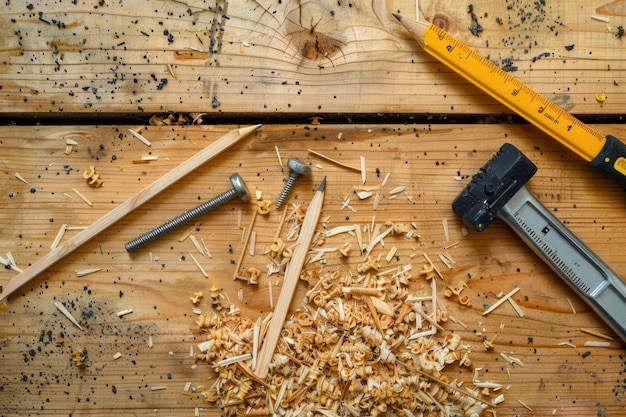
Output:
x=397 y=16
x=322 y=186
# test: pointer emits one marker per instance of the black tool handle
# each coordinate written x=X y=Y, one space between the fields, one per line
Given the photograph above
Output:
x=611 y=160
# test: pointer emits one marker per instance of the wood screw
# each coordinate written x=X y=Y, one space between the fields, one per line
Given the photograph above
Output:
x=297 y=168
x=239 y=190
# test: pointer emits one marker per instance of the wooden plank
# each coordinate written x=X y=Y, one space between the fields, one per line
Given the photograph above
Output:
x=293 y=57
x=38 y=374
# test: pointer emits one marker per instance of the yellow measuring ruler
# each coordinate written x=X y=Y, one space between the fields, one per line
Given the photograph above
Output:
x=605 y=153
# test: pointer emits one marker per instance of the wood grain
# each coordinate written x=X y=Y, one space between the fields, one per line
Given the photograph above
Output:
x=128 y=206
x=39 y=378
x=295 y=57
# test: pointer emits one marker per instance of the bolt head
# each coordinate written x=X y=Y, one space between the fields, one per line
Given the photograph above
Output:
x=298 y=167
x=240 y=187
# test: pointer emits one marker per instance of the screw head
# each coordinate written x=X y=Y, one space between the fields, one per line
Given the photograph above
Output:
x=298 y=167
x=240 y=187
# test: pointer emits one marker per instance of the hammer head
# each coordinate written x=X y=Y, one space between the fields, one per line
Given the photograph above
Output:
x=493 y=186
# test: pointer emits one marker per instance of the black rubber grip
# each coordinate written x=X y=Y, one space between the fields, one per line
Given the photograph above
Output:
x=611 y=160
x=493 y=186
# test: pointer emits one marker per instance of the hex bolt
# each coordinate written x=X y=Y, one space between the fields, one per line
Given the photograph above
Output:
x=239 y=190
x=297 y=168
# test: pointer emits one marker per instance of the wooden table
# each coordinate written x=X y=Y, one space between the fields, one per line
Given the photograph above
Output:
x=105 y=63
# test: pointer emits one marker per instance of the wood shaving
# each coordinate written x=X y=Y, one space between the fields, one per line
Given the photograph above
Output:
x=82 y=197
x=397 y=190
x=196 y=244
x=363 y=171
x=594 y=343
x=200 y=268
x=597 y=334
x=140 y=137
x=58 y=237
x=19 y=177
x=9 y=264
x=319 y=365
x=334 y=161
x=569 y=302
x=500 y=301
x=84 y=272
x=67 y=314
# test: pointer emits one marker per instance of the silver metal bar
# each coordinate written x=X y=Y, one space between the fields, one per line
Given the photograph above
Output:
x=570 y=258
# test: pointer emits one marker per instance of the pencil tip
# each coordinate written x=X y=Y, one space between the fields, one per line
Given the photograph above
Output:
x=397 y=16
x=322 y=186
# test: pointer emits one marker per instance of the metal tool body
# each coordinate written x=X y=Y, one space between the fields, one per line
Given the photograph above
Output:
x=499 y=190
x=239 y=189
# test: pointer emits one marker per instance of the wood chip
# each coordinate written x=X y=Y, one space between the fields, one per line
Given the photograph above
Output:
x=206 y=249
x=252 y=243
x=511 y=359
x=82 y=197
x=397 y=190
x=199 y=266
x=19 y=177
x=140 y=137
x=339 y=229
x=457 y=321
x=594 y=333
x=196 y=244
x=594 y=343
x=234 y=359
x=333 y=160
x=67 y=314
x=571 y=305
x=364 y=194
x=524 y=404
x=516 y=307
x=382 y=184
x=433 y=265
x=280 y=160
x=10 y=265
x=391 y=254
x=363 y=172
x=500 y=301
x=83 y=272
x=600 y=18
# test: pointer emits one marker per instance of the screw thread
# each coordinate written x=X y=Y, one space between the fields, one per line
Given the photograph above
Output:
x=286 y=189
x=180 y=220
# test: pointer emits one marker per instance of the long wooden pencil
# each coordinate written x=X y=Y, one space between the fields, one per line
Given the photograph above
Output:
x=292 y=275
x=126 y=207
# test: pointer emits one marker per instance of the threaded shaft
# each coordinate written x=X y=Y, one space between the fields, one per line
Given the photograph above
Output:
x=287 y=188
x=181 y=220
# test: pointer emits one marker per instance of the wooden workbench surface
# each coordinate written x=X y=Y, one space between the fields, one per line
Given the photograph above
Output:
x=115 y=62
x=218 y=57
x=39 y=376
